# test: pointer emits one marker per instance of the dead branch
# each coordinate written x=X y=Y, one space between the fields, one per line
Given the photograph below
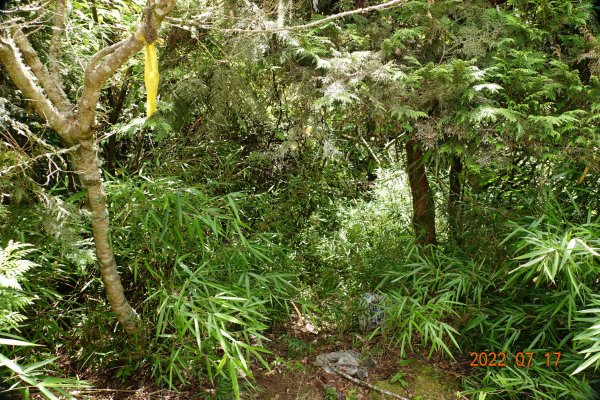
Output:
x=366 y=384
x=313 y=24
x=48 y=155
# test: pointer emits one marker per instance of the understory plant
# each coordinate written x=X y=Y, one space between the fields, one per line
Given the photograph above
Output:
x=544 y=303
x=21 y=370
x=210 y=283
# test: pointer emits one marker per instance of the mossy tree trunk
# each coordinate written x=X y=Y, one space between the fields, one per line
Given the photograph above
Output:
x=422 y=198
x=87 y=164
x=455 y=198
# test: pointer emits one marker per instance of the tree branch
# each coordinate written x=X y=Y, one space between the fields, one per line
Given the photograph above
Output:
x=366 y=384
x=365 y=10
x=105 y=63
x=25 y=82
x=38 y=157
x=50 y=85
x=58 y=26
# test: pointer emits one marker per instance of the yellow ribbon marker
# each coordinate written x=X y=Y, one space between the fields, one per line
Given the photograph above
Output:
x=151 y=79
x=582 y=177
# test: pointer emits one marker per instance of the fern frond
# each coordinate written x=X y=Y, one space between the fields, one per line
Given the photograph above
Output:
x=492 y=114
x=406 y=112
x=12 y=267
x=12 y=264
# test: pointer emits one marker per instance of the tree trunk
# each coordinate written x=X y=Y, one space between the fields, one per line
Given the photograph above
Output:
x=87 y=164
x=423 y=205
x=47 y=97
x=454 y=198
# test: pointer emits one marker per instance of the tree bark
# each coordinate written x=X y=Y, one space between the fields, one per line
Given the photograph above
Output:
x=74 y=125
x=87 y=164
x=454 y=198
x=54 y=51
x=423 y=205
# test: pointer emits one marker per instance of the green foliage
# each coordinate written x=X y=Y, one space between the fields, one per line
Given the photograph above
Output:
x=273 y=172
x=197 y=317
x=538 y=381
x=367 y=239
x=429 y=289
x=13 y=266
x=553 y=254
x=210 y=281
x=412 y=317
x=32 y=375
x=544 y=289
x=589 y=337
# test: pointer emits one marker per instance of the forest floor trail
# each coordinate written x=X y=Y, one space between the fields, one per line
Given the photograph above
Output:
x=293 y=374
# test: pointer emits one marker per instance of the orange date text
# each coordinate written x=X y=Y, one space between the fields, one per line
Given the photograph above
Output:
x=522 y=359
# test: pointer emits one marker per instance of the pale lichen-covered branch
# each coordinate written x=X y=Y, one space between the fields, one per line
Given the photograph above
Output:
x=58 y=26
x=52 y=86
x=25 y=81
x=280 y=28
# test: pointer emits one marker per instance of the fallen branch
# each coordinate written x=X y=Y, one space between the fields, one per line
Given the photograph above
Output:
x=366 y=384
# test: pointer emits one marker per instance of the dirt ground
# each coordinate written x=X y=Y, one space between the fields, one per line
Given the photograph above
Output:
x=293 y=375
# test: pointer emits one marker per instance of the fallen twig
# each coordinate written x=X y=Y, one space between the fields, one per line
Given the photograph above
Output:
x=367 y=385
x=32 y=160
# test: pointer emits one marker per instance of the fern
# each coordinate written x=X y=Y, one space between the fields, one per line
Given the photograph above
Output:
x=549 y=122
x=28 y=373
x=492 y=114
x=405 y=112
x=12 y=267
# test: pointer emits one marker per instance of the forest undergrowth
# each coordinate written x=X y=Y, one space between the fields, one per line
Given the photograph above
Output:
x=415 y=181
